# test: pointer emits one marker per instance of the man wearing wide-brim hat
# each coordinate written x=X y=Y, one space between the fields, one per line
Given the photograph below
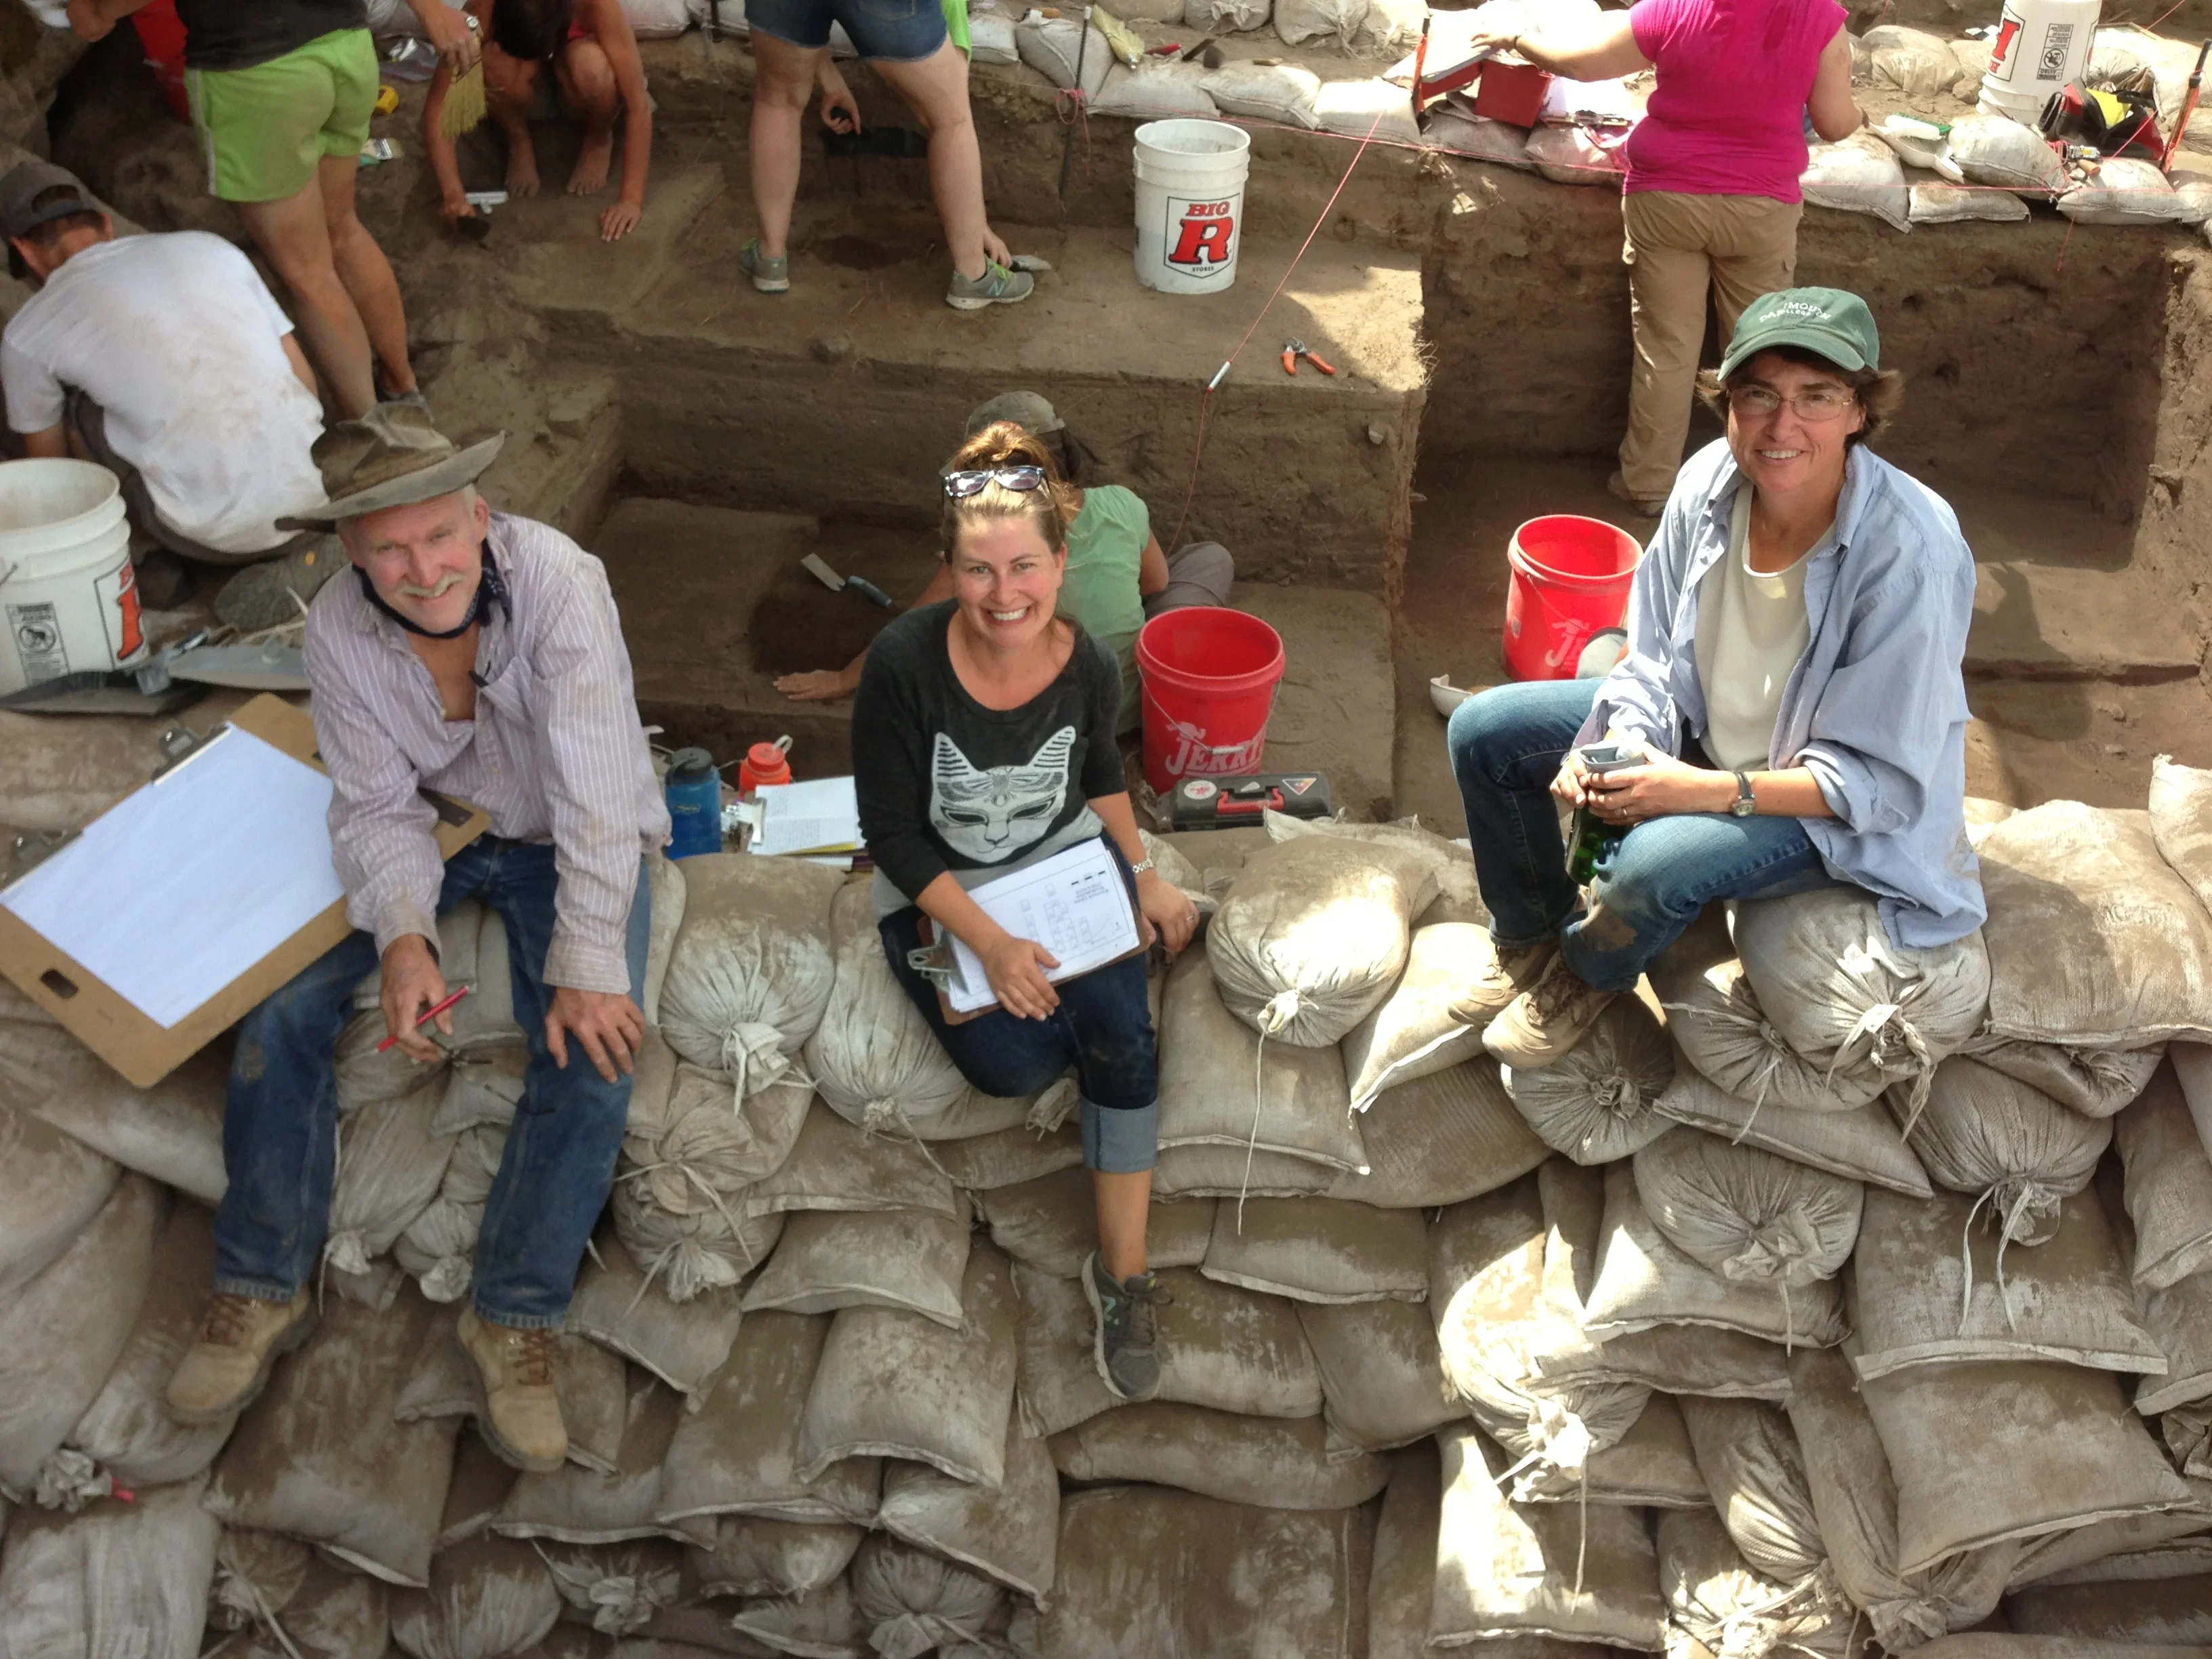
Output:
x=477 y=654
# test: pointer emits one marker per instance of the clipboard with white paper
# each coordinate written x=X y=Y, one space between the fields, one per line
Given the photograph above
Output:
x=186 y=903
x=1075 y=903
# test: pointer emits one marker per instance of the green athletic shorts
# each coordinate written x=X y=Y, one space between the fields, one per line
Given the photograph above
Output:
x=266 y=130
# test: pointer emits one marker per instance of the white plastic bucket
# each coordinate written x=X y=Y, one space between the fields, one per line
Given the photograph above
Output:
x=2040 y=46
x=1190 y=205
x=67 y=595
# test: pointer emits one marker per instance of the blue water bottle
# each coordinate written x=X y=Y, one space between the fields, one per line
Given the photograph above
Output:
x=694 y=803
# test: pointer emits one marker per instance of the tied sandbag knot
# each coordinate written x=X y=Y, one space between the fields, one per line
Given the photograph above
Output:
x=883 y=1116
x=1781 y=1251
x=1886 y=1040
x=1619 y=1097
x=625 y=1605
x=2014 y=1222
x=1560 y=1444
x=910 y=1634
x=1052 y=1109
x=348 y=1252
x=1278 y=1011
x=753 y=1055
x=69 y=1480
x=449 y=1278
x=238 y=1603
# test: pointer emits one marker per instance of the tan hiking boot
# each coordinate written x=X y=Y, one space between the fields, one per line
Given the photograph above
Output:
x=240 y=1339
x=516 y=1408
x=1546 y=1021
x=1503 y=977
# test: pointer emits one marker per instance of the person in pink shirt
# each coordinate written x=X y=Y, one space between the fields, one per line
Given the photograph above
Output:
x=1711 y=199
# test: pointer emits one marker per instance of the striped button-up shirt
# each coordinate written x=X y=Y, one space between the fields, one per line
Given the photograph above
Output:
x=555 y=753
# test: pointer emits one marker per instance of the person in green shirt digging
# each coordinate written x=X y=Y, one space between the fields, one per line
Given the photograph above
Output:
x=1117 y=578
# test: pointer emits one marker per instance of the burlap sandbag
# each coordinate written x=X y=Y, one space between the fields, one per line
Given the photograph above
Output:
x=1749 y=1456
x=439 y=1246
x=1643 y=1281
x=749 y=977
x=912 y=1602
x=1313 y=935
x=897 y=1384
x=1404 y=1577
x=1861 y=1143
x=1148 y=1570
x=390 y=1165
x=2127 y=1619
x=1912 y=1302
x=1052 y=1223
x=2094 y=942
x=689 y=1254
x=1984 y=1645
x=1274 y=1462
x=590 y=1381
x=172 y=1132
x=62 y=1333
x=824 y=1624
x=1594 y=1103
x=616 y=1590
x=754 y=1555
x=1984 y=1452
x=1459 y=893
x=1987 y=1135
x=703 y=1150
x=1848 y=1000
x=2094 y=1082
x=1413 y=1032
x=1012 y=1156
x=1649 y=1466
x=2181 y=822
x=128 y=1430
x=618 y=1307
x=1236 y=1172
x=1320 y=1250
x=1010 y=1535
x=1714 y=1016
x=51 y=1185
x=2179 y=1320
x=1556 y=1570
x=1232 y=1349
x=1745 y=1213
x=737 y=1453
x=2169 y=1184
x=1717 y=1602
x=835 y=1165
x=1497 y=1330
x=1451 y=1135
x=910 y=1259
x=319 y=1457
x=873 y=1057
x=1059 y=1384
x=121 y=1579
x=2170 y=1544
x=1675 y=1360
x=1382 y=1374
x=577 y=1505
x=489 y=1596
x=1211 y=1064
x=263 y=1582
x=1855 y=1500
x=667 y=885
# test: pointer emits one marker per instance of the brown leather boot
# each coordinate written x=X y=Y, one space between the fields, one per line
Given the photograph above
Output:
x=240 y=1339
x=1505 y=977
x=1546 y=1022
x=517 y=1408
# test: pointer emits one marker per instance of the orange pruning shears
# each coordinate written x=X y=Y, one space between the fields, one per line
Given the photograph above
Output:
x=1294 y=349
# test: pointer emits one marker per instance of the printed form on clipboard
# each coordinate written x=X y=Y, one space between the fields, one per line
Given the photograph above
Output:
x=1073 y=903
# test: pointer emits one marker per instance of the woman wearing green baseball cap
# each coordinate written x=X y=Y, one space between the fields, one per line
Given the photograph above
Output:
x=1791 y=704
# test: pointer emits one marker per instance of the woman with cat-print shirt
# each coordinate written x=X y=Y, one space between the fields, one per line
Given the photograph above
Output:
x=983 y=742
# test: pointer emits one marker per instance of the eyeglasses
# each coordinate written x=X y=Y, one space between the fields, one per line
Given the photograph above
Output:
x=1815 y=403
x=961 y=485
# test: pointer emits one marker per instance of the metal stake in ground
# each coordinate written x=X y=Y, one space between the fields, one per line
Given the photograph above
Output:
x=1067 y=140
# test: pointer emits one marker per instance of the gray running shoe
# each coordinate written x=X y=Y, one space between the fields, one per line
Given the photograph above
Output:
x=769 y=275
x=997 y=286
x=1127 y=1348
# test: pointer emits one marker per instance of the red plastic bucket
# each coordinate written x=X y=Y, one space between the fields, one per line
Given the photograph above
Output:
x=162 y=32
x=1209 y=675
x=1571 y=578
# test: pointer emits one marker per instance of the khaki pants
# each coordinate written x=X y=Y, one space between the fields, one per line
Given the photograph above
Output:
x=1744 y=246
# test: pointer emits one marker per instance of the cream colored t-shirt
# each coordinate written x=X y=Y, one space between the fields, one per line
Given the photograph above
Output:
x=1751 y=630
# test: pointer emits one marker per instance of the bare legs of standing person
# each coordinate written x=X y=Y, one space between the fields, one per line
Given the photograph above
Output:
x=350 y=316
x=783 y=87
x=936 y=89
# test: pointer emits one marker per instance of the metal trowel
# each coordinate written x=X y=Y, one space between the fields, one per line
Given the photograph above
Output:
x=818 y=568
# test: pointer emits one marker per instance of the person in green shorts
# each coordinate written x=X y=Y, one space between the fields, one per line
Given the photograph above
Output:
x=1117 y=579
x=281 y=92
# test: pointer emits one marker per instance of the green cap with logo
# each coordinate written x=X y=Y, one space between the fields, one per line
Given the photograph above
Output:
x=1836 y=324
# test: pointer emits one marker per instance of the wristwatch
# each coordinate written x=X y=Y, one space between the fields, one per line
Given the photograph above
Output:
x=1745 y=803
x=1141 y=867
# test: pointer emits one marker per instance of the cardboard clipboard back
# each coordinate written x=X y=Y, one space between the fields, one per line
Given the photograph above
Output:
x=144 y=1051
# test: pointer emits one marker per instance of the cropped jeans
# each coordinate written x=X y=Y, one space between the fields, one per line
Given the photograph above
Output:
x=280 y=1127
x=1506 y=746
x=1102 y=1028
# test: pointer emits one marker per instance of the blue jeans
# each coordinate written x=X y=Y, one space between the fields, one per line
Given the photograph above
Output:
x=901 y=31
x=1506 y=746
x=280 y=1127
x=1102 y=1027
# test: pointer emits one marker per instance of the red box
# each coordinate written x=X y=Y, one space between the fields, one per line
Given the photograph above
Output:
x=1511 y=92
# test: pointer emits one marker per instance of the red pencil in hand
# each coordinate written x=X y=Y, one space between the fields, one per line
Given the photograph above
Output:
x=427 y=1015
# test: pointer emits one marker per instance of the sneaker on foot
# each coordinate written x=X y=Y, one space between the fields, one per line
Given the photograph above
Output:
x=240 y=1339
x=1127 y=1348
x=1505 y=977
x=1544 y=1023
x=1617 y=487
x=769 y=275
x=516 y=1408
x=997 y=286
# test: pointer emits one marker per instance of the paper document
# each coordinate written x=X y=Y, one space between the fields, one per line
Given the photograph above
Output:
x=822 y=816
x=1073 y=903
x=170 y=895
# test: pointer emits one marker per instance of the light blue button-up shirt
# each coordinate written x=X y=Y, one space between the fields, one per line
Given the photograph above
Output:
x=1876 y=708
